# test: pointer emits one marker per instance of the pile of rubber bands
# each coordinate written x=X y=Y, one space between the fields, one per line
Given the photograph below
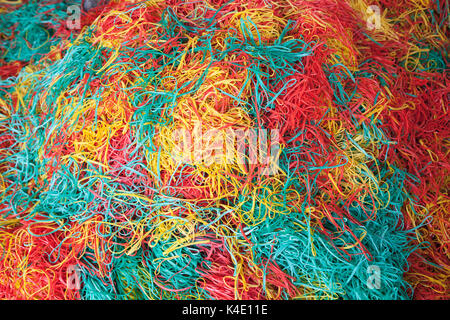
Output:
x=350 y=202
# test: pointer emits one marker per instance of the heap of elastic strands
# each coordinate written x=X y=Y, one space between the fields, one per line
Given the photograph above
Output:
x=90 y=186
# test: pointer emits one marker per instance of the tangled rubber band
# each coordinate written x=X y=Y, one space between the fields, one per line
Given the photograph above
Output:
x=224 y=150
